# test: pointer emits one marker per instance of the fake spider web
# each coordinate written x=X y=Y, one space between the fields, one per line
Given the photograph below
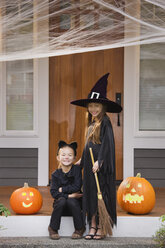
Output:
x=41 y=28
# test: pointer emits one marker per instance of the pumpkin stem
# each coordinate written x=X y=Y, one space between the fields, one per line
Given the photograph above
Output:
x=138 y=175
x=26 y=185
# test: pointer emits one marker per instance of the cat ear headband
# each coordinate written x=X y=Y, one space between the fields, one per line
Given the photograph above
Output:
x=72 y=145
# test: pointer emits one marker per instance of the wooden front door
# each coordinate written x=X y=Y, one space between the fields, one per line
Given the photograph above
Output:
x=71 y=78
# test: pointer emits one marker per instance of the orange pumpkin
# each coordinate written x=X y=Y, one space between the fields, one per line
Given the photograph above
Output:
x=26 y=200
x=136 y=195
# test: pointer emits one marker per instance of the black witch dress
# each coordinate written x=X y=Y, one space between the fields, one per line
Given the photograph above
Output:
x=105 y=154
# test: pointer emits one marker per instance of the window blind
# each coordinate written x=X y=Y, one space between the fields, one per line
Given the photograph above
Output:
x=19 y=95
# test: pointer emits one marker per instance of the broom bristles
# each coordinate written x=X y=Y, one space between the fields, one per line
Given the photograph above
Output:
x=105 y=220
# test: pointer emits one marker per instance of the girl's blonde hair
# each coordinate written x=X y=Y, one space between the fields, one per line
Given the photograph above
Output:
x=94 y=134
x=59 y=165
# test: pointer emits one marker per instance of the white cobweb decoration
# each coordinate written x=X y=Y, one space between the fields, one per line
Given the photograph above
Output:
x=42 y=28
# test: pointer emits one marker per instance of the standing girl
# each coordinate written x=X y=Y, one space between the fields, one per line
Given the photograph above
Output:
x=65 y=189
x=99 y=137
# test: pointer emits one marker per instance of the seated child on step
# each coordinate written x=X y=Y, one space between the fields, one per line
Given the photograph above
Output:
x=65 y=189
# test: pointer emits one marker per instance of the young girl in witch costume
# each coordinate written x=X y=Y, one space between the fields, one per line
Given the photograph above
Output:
x=99 y=137
x=65 y=189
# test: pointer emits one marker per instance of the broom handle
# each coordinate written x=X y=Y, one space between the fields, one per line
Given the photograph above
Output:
x=96 y=176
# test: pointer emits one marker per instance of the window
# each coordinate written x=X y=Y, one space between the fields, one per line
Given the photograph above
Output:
x=19 y=95
x=152 y=75
x=152 y=89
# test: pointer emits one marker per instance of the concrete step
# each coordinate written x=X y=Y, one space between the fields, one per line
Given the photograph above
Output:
x=37 y=226
x=45 y=242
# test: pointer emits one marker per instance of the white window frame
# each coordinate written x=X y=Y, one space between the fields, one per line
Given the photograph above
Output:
x=22 y=133
x=137 y=132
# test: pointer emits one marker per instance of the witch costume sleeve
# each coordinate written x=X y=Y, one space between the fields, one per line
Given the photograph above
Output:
x=105 y=154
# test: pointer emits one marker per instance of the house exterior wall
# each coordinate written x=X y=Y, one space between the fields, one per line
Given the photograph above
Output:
x=18 y=165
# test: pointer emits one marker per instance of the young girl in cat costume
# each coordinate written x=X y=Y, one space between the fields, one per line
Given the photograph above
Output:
x=65 y=189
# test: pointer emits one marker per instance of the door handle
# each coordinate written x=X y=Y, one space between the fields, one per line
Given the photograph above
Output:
x=118 y=100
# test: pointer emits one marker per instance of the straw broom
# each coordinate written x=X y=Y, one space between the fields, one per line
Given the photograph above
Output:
x=105 y=220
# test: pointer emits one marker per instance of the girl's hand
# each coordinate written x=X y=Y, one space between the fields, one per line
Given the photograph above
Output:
x=75 y=195
x=60 y=189
x=95 y=167
x=78 y=162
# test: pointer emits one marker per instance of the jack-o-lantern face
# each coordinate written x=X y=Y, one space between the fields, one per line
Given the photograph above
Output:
x=136 y=195
x=26 y=200
x=133 y=197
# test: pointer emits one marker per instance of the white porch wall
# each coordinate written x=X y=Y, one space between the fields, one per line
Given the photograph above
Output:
x=41 y=139
x=132 y=137
x=43 y=122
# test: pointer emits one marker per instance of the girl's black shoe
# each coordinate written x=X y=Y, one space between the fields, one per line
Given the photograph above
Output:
x=90 y=236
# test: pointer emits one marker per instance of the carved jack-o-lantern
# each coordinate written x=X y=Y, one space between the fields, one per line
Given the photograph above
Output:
x=26 y=200
x=136 y=195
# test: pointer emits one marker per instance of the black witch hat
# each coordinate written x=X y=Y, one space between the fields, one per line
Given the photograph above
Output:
x=98 y=94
